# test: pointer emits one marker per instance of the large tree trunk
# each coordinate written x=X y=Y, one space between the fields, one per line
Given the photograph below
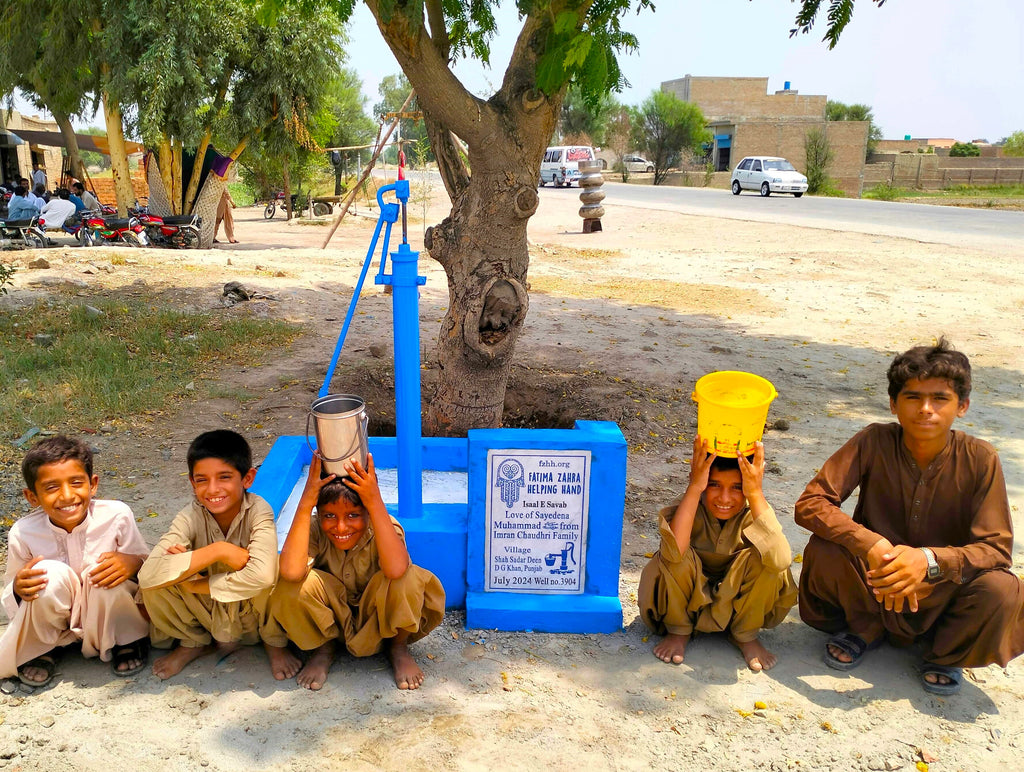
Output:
x=165 y=160
x=482 y=246
x=70 y=144
x=482 y=243
x=123 y=189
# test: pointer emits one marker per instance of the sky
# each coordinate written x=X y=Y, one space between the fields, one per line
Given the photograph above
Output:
x=928 y=68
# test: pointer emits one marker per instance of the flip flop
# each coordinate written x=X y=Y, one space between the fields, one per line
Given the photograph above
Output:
x=852 y=644
x=137 y=650
x=45 y=662
x=954 y=674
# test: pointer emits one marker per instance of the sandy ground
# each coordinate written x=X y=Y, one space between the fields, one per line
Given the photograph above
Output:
x=621 y=324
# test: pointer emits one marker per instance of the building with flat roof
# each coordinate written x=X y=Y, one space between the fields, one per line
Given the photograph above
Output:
x=747 y=120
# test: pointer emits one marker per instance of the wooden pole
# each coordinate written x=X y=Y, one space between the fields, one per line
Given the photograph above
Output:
x=366 y=173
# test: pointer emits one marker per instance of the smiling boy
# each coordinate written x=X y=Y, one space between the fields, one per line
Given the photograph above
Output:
x=71 y=565
x=346 y=577
x=723 y=565
x=927 y=553
x=209 y=576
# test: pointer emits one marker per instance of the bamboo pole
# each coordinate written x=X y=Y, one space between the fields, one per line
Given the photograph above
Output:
x=366 y=173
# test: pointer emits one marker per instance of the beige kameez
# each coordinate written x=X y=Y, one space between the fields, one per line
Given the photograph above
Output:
x=346 y=596
x=734 y=577
x=237 y=599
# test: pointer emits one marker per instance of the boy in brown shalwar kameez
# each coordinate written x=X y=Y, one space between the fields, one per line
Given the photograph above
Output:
x=926 y=554
x=723 y=565
x=346 y=576
x=206 y=583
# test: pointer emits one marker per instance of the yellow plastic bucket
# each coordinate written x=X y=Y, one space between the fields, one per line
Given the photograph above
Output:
x=732 y=408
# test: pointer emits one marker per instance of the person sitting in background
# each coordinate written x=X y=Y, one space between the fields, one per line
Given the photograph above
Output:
x=92 y=204
x=41 y=194
x=57 y=210
x=20 y=207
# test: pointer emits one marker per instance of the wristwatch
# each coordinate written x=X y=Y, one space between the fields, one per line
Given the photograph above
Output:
x=934 y=572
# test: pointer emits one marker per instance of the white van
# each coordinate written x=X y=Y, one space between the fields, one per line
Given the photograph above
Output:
x=561 y=164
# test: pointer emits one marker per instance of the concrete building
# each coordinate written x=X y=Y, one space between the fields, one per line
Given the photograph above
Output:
x=18 y=155
x=747 y=120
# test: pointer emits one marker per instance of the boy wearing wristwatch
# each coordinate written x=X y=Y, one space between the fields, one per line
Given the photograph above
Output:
x=927 y=554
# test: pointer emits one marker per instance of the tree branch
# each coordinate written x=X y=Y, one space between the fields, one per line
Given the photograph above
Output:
x=427 y=69
x=438 y=29
x=450 y=165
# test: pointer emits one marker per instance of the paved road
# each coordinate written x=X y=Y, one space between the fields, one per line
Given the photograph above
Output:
x=985 y=228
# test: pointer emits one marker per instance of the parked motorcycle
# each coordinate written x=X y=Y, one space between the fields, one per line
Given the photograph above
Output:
x=98 y=230
x=22 y=233
x=179 y=231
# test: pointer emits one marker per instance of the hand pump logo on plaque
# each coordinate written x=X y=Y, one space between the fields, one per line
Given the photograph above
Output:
x=537 y=506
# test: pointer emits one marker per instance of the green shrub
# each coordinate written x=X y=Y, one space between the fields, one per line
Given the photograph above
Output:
x=964 y=150
x=6 y=274
x=819 y=156
x=885 y=192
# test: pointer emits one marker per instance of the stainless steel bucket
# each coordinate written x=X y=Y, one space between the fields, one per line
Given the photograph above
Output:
x=340 y=422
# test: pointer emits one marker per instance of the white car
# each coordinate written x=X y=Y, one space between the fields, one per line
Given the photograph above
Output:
x=635 y=163
x=768 y=175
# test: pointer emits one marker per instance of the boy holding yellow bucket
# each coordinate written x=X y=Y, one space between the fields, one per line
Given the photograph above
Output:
x=723 y=564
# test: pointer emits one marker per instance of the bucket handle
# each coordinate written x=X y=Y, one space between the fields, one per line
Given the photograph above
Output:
x=364 y=418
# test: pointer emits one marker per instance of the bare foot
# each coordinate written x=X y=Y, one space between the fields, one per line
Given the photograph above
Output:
x=671 y=648
x=407 y=673
x=757 y=656
x=174 y=662
x=313 y=675
x=283 y=664
x=836 y=653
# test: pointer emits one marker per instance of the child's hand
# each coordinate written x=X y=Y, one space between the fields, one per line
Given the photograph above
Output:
x=114 y=568
x=314 y=484
x=752 y=473
x=30 y=581
x=233 y=556
x=364 y=481
x=700 y=464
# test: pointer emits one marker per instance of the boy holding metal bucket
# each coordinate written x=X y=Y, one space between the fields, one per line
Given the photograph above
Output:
x=723 y=565
x=346 y=576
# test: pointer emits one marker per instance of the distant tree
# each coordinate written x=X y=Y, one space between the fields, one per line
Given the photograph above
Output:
x=1013 y=145
x=582 y=118
x=393 y=90
x=664 y=127
x=818 y=157
x=619 y=136
x=964 y=150
x=837 y=111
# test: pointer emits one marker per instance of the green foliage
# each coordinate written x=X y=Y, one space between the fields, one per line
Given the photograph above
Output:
x=665 y=126
x=6 y=274
x=839 y=14
x=619 y=136
x=1013 y=145
x=884 y=191
x=964 y=150
x=837 y=111
x=589 y=119
x=394 y=90
x=134 y=357
x=818 y=157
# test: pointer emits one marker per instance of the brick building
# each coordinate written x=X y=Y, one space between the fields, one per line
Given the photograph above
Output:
x=746 y=120
x=17 y=155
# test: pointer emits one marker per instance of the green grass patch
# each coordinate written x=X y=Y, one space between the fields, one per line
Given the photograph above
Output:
x=134 y=357
x=885 y=192
x=241 y=194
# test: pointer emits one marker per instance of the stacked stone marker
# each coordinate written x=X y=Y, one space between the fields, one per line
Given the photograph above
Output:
x=591 y=194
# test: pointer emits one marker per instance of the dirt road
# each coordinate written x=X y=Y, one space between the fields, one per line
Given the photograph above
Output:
x=621 y=324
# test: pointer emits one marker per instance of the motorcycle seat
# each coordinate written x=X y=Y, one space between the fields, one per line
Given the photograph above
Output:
x=17 y=223
x=179 y=219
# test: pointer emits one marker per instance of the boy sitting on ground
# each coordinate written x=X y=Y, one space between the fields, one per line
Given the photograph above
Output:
x=209 y=576
x=927 y=553
x=723 y=565
x=346 y=576
x=71 y=566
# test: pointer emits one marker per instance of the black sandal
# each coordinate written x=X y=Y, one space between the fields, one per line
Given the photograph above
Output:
x=852 y=644
x=46 y=662
x=137 y=650
x=954 y=675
